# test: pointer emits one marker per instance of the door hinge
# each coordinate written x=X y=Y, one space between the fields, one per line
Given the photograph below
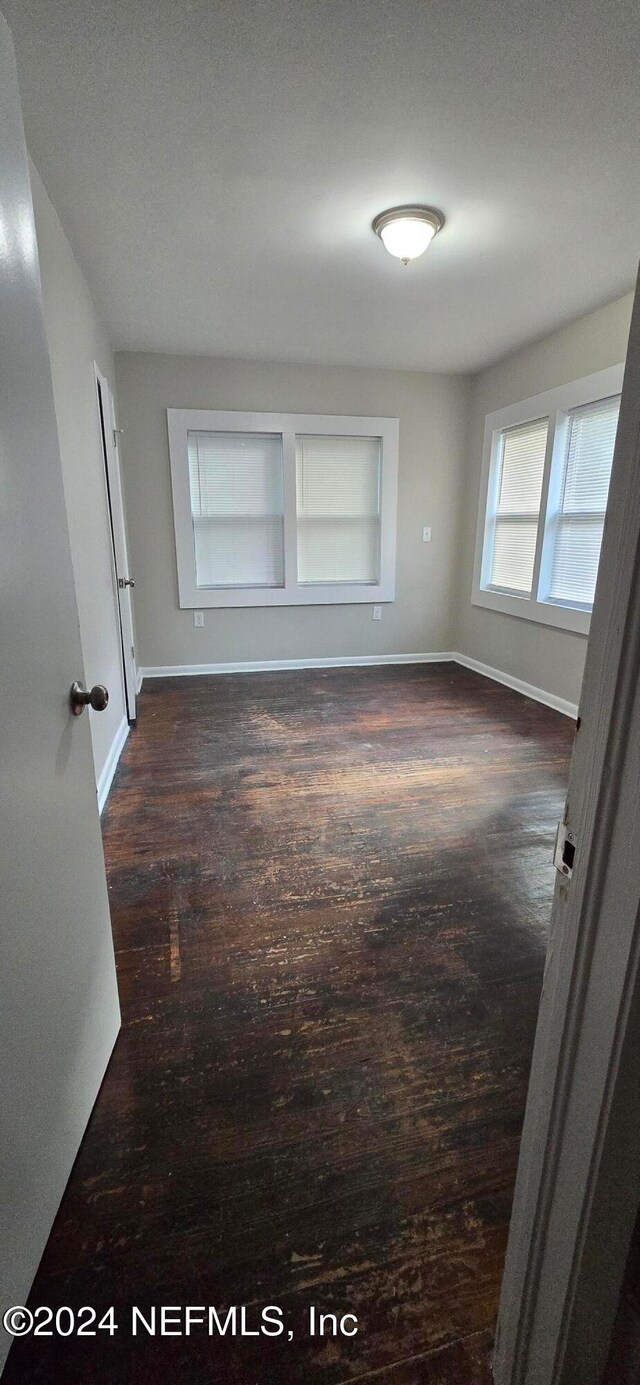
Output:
x=564 y=851
x=133 y=652
x=117 y=433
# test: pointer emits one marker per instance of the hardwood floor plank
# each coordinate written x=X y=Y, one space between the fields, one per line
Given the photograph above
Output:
x=457 y=1364
x=330 y=893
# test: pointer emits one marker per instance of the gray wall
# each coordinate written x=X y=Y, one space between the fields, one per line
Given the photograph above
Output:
x=76 y=339
x=441 y=433
x=547 y=658
x=432 y=410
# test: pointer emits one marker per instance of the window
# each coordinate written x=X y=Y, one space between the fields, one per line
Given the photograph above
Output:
x=546 y=470
x=515 y=522
x=283 y=509
x=579 y=522
x=338 y=507
x=237 y=507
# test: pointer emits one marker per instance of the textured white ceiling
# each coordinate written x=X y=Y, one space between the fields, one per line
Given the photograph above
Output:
x=217 y=164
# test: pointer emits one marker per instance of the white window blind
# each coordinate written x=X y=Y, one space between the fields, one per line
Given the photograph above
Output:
x=515 y=520
x=236 y=487
x=338 y=508
x=585 y=487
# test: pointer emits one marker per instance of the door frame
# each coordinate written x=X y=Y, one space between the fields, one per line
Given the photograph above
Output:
x=578 y=1184
x=107 y=424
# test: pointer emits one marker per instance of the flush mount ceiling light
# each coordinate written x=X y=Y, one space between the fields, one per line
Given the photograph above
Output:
x=407 y=231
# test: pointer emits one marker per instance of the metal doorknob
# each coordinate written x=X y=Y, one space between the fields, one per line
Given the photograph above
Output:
x=126 y=582
x=81 y=697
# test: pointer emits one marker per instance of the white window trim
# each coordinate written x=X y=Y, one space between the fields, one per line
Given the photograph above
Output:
x=182 y=421
x=556 y=404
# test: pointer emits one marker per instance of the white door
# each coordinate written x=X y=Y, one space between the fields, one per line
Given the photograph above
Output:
x=59 y=1013
x=123 y=579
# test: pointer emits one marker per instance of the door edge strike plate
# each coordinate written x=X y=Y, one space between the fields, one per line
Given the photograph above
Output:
x=564 y=851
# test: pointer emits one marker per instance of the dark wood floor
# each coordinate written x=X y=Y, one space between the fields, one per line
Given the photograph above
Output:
x=623 y=1366
x=330 y=895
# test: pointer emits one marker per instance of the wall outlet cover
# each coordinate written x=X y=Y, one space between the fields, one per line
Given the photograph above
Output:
x=376 y=613
x=198 y=619
x=426 y=534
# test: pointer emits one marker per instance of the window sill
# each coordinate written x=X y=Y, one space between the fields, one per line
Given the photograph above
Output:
x=540 y=612
x=320 y=594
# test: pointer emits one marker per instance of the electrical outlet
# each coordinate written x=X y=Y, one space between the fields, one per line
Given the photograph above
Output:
x=198 y=619
x=376 y=613
x=426 y=534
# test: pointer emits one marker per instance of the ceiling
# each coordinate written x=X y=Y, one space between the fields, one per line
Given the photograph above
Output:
x=217 y=164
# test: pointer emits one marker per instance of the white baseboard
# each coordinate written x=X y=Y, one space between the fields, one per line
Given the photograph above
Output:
x=559 y=704
x=106 y=778
x=275 y=665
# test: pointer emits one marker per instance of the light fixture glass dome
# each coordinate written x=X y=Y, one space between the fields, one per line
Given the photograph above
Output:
x=407 y=231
